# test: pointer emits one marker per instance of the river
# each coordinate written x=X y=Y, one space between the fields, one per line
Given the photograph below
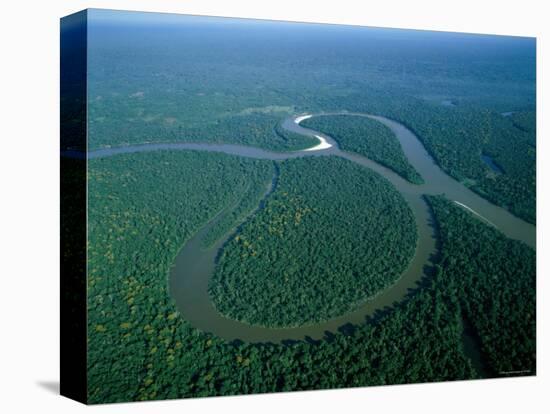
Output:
x=194 y=265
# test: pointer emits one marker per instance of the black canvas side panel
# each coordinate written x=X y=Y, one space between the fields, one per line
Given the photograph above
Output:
x=73 y=92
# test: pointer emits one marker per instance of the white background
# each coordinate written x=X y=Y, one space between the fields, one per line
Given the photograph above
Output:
x=29 y=216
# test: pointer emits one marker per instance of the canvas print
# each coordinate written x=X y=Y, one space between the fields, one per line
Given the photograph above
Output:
x=255 y=206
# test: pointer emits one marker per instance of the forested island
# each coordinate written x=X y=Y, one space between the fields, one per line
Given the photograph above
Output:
x=322 y=244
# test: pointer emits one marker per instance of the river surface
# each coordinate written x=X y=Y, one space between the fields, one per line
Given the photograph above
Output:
x=194 y=265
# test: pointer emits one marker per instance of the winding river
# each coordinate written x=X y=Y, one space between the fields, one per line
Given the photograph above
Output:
x=194 y=265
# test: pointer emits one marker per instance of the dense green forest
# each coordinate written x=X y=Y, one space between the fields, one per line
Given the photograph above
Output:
x=493 y=280
x=456 y=137
x=245 y=202
x=474 y=316
x=209 y=82
x=514 y=150
x=323 y=244
x=141 y=210
x=366 y=137
x=457 y=140
x=140 y=348
x=254 y=129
